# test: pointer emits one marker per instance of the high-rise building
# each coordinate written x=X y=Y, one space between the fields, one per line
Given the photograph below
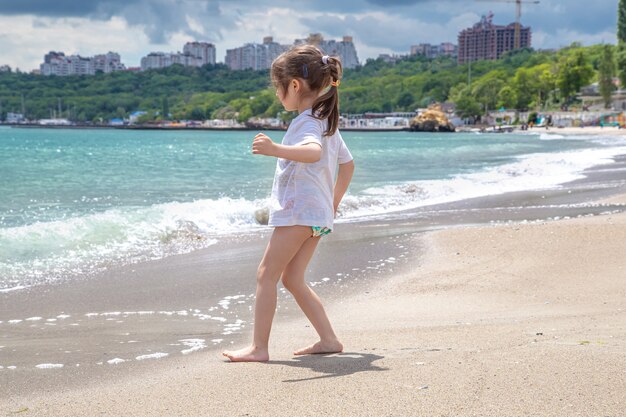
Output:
x=195 y=54
x=203 y=50
x=486 y=41
x=255 y=56
x=108 y=63
x=344 y=48
x=57 y=63
x=260 y=56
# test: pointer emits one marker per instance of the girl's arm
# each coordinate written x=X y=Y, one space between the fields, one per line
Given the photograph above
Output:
x=343 y=180
x=309 y=153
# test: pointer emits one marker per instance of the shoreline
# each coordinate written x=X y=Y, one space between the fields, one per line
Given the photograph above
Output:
x=191 y=128
x=570 y=131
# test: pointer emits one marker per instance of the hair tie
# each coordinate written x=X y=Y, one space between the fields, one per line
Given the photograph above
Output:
x=335 y=83
x=325 y=59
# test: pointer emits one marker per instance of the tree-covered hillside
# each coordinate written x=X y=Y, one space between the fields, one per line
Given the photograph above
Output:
x=523 y=79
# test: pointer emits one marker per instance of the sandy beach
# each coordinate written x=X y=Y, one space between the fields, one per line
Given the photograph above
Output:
x=519 y=319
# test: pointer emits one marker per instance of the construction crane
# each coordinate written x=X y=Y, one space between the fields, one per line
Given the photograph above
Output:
x=518 y=17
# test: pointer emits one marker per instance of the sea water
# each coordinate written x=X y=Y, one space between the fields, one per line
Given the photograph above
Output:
x=75 y=201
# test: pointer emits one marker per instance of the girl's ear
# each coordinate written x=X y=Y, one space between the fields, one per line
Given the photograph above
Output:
x=295 y=85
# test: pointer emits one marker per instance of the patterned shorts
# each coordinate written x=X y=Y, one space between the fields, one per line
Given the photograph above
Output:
x=319 y=231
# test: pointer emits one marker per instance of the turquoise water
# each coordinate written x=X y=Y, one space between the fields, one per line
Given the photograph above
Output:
x=78 y=200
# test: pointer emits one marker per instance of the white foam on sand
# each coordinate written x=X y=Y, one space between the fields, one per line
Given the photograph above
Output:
x=49 y=365
x=18 y=287
x=157 y=355
x=550 y=136
x=115 y=361
x=193 y=344
x=225 y=302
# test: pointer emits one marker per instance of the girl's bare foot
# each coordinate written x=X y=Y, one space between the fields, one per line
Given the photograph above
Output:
x=333 y=346
x=249 y=354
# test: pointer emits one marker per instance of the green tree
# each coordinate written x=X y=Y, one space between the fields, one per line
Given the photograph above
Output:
x=574 y=73
x=165 y=108
x=522 y=83
x=467 y=106
x=606 y=72
x=244 y=114
x=197 y=114
x=621 y=63
x=621 y=42
x=547 y=81
x=405 y=100
x=456 y=92
x=621 y=21
x=485 y=90
x=120 y=113
x=507 y=97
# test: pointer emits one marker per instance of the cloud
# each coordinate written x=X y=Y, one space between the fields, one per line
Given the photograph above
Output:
x=543 y=40
x=136 y=27
x=397 y=34
x=159 y=19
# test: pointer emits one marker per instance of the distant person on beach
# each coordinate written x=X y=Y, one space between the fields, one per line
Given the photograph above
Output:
x=305 y=195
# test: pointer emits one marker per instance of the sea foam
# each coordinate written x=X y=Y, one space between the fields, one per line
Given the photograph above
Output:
x=45 y=251
x=529 y=172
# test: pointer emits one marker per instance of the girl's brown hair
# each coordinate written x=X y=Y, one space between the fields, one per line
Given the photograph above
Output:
x=305 y=63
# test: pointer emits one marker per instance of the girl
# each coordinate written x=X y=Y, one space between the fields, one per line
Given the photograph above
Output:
x=304 y=198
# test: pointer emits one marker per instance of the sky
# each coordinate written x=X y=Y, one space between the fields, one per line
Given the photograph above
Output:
x=133 y=28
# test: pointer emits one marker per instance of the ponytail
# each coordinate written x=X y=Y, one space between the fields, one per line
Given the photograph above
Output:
x=327 y=105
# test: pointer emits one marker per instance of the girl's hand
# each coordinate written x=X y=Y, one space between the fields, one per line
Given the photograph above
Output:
x=263 y=145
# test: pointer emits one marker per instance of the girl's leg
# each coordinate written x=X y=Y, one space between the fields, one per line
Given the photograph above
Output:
x=283 y=246
x=309 y=302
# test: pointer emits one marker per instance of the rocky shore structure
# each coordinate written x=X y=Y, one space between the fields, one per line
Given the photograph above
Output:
x=432 y=120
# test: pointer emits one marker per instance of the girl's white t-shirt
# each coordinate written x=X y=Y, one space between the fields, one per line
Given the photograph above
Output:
x=302 y=193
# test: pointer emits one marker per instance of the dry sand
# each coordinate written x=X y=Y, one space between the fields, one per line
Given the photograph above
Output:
x=516 y=320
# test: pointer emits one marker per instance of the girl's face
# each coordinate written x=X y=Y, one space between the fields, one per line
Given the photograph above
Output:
x=289 y=98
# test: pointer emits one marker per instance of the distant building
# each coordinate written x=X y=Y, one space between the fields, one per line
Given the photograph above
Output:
x=435 y=51
x=255 y=56
x=344 y=48
x=57 y=63
x=108 y=63
x=486 y=41
x=195 y=54
x=134 y=116
x=260 y=56
x=203 y=50
x=15 y=118
x=391 y=59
